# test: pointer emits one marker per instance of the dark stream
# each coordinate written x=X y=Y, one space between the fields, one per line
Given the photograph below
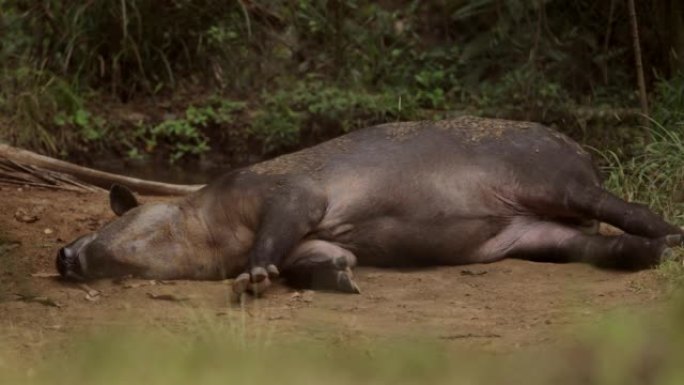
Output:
x=192 y=172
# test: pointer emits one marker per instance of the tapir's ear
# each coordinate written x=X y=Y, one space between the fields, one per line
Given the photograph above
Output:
x=121 y=199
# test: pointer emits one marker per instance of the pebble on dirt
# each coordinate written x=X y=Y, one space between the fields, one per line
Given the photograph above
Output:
x=22 y=215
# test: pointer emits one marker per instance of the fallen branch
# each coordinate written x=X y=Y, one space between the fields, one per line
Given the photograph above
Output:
x=16 y=174
x=19 y=163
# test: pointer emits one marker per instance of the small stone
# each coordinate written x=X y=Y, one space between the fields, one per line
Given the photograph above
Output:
x=48 y=231
x=24 y=216
x=307 y=296
x=302 y=296
x=92 y=297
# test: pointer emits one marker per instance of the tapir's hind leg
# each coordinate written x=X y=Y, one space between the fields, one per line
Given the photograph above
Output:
x=534 y=239
x=317 y=264
x=592 y=202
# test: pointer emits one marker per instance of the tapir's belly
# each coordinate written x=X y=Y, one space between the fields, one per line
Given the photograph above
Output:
x=400 y=241
x=394 y=222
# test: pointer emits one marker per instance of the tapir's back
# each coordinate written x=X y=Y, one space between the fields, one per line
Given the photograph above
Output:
x=530 y=152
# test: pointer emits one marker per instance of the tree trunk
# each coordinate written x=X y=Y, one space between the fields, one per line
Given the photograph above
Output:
x=676 y=49
x=94 y=177
x=637 y=57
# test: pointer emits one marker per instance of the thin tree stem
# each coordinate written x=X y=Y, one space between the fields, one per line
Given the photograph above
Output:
x=638 y=62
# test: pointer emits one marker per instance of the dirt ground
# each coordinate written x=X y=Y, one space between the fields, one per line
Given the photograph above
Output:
x=498 y=307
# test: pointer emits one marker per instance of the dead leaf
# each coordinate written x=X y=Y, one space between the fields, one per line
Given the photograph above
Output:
x=39 y=299
x=45 y=275
x=473 y=273
x=304 y=296
x=168 y=297
x=133 y=285
x=4 y=248
x=93 y=297
x=469 y=335
x=24 y=216
x=88 y=290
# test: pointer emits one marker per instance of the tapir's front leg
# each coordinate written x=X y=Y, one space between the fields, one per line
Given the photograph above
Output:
x=289 y=213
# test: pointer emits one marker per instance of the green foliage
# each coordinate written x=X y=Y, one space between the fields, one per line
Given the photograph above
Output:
x=669 y=109
x=90 y=128
x=142 y=46
x=312 y=106
x=525 y=93
x=654 y=176
x=672 y=271
x=277 y=125
x=511 y=58
x=46 y=112
x=184 y=137
x=654 y=172
x=128 y=46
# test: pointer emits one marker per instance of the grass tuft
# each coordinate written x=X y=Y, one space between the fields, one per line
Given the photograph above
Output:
x=654 y=176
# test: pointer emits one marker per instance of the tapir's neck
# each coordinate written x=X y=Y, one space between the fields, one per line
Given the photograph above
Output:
x=222 y=227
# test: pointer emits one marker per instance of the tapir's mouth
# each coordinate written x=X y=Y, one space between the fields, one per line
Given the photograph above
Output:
x=69 y=265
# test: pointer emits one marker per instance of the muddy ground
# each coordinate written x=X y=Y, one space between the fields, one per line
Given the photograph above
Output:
x=498 y=307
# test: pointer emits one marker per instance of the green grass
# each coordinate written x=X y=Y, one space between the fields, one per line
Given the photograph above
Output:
x=655 y=175
x=621 y=350
x=672 y=271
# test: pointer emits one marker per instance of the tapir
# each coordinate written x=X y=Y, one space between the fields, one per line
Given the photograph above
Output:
x=461 y=191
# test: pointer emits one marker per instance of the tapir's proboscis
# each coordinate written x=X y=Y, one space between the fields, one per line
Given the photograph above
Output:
x=461 y=191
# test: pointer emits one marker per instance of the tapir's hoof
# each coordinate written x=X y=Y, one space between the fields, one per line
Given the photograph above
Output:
x=272 y=271
x=246 y=283
x=258 y=274
x=341 y=263
x=345 y=283
x=258 y=289
x=668 y=242
x=668 y=255
x=674 y=240
x=240 y=283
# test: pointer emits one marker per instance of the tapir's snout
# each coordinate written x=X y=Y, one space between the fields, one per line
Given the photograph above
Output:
x=68 y=264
